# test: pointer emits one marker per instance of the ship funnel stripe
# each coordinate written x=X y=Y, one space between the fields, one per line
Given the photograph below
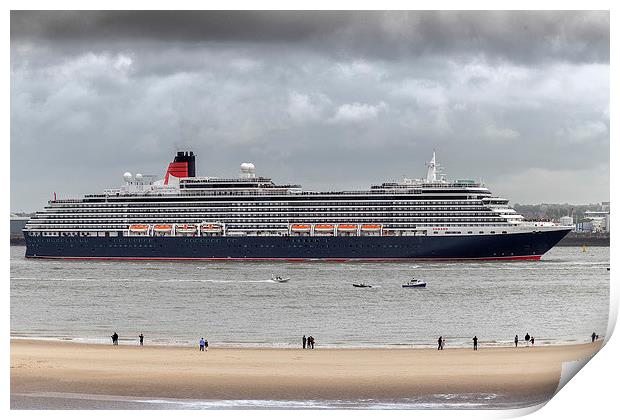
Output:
x=178 y=170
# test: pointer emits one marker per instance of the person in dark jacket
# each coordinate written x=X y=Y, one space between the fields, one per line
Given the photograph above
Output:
x=593 y=337
x=115 y=339
x=303 y=342
x=527 y=339
x=440 y=343
x=141 y=337
x=517 y=340
x=475 y=342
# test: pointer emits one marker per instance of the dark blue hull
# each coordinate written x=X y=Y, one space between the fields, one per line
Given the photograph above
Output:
x=498 y=246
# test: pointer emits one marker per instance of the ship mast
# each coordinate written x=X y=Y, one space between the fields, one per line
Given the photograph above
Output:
x=431 y=174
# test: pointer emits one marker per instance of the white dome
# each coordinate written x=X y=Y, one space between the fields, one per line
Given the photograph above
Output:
x=127 y=176
x=247 y=167
x=138 y=177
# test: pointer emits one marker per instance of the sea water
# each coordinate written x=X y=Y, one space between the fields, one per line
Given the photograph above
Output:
x=561 y=299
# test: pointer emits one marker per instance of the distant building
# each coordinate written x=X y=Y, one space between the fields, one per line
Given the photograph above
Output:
x=566 y=221
x=585 y=227
x=598 y=219
x=607 y=217
x=605 y=206
x=17 y=224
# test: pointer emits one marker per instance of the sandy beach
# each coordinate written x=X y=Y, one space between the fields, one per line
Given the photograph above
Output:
x=285 y=374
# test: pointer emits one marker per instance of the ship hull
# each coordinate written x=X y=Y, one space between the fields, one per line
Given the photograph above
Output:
x=518 y=246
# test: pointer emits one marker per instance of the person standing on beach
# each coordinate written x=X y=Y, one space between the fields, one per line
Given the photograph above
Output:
x=443 y=343
x=593 y=337
x=303 y=342
x=115 y=339
x=527 y=339
x=475 y=342
x=532 y=341
x=202 y=344
x=141 y=337
x=517 y=340
x=311 y=341
x=439 y=341
x=206 y=344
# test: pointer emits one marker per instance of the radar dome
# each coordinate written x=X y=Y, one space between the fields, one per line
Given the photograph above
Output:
x=247 y=167
x=138 y=177
x=127 y=176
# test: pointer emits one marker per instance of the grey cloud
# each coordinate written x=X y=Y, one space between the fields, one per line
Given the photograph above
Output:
x=518 y=35
x=332 y=116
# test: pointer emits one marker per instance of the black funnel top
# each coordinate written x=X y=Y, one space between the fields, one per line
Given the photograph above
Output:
x=190 y=158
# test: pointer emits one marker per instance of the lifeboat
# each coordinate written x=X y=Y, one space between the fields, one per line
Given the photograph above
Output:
x=186 y=229
x=371 y=228
x=162 y=228
x=347 y=228
x=323 y=228
x=138 y=228
x=211 y=228
x=300 y=228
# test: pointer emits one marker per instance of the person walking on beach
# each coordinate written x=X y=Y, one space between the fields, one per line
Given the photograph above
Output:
x=593 y=337
x=532 y=341
x=439 y=343
x=475 y=342
x=202 y=344
x=141 y=337
x=527 y=339
x=517 y=340
x=303 y=342
x=115 y=339
x=206 y=344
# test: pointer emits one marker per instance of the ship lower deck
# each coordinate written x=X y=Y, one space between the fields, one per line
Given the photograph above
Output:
x=516 y=246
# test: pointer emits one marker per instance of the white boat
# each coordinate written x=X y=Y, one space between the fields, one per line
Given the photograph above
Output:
x=415 y=283
x=280 y=279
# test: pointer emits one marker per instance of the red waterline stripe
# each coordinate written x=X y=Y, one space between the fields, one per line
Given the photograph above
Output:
x=337 y=260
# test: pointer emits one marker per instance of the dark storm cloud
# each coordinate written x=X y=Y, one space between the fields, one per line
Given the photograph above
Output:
x=516 y=36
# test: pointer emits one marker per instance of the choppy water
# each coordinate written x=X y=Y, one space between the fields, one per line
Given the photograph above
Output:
x=560 y=299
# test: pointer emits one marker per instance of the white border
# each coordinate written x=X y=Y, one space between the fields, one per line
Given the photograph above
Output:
x=592 y=393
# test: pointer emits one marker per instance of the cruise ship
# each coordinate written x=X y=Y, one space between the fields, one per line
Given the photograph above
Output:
x=250 y=217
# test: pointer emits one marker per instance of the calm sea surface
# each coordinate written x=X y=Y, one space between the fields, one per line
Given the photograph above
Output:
x=560 y=299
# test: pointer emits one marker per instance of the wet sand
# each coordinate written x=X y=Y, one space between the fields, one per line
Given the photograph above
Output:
x=40 y=368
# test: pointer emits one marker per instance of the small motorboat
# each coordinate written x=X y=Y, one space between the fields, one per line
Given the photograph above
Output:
x=362 y=285
x=280 y=279
x=415 y=283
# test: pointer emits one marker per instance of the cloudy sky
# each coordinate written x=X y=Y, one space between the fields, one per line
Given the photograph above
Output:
x=326 y=99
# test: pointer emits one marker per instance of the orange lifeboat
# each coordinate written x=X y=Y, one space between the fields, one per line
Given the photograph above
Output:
x=138 y=228
x=162 y=228
x=186 y=228
x=347 y=228
x=371 y=228
x=300 y=228
x=211 y=228
x=323 y=228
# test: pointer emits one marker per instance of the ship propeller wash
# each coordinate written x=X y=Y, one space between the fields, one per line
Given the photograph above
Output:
x=250 y=217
